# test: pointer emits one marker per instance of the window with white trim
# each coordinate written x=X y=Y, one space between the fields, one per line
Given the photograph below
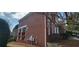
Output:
x=21 y=32
x=56 y=30
x=48 y=23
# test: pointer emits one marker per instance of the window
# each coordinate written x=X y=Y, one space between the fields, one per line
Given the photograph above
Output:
x=48 y=21
x=24 y=29
x=19 y=30
x=23 y=33
x=53 y=26
x=19 y=34
x=31 y=38
x=56 y=30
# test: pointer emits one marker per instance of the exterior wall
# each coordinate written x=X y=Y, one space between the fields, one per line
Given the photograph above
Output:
x=52 y=18
x=56 y=30
x=37 y=24
x=36 y=28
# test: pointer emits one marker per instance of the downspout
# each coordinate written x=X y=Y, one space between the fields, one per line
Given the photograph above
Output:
x=45 y=30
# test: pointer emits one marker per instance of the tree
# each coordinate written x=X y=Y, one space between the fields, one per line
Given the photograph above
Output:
x=73 y=21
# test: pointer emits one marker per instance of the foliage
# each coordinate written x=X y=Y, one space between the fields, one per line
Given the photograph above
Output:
x=11 y=39
x=4 y=33
x=73 y=21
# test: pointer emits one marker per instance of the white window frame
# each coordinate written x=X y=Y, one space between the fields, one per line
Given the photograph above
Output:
x=22 y=31
x=48 y=24
x=56 y=30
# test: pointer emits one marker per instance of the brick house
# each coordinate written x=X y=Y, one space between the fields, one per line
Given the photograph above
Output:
x=38 y=28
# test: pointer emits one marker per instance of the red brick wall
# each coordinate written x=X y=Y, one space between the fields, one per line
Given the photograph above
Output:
x=36 y=27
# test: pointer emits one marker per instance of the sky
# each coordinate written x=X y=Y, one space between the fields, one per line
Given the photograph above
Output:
x=12 y=17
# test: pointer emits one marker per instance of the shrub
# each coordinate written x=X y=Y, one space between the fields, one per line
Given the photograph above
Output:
x=4 y=33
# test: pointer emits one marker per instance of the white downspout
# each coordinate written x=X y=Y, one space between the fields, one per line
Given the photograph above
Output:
x=45 y=31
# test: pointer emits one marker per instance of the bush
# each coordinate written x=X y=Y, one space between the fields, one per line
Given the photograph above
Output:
x=69 y=33
x=11 y=39
x=4 y=33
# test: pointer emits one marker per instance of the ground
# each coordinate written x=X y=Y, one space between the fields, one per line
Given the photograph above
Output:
x=72 y=42
x=19 y=44
x=69 y=43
